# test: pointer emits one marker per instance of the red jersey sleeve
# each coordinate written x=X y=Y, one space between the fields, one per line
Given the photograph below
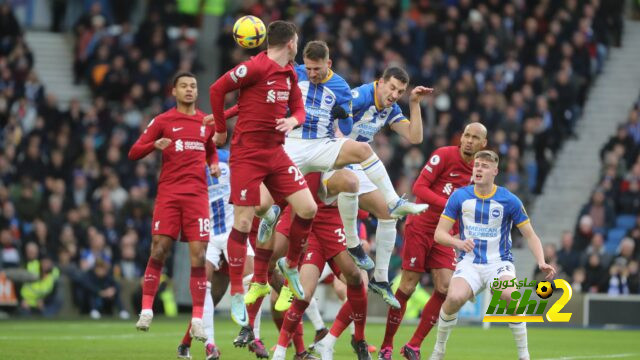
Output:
x=145 y=143
x=243 y=75
x=296 y=105
x=212 y=152
x=231 y=112
x=428 y=175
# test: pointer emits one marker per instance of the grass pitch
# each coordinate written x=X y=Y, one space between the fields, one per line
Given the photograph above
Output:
x=113 y=339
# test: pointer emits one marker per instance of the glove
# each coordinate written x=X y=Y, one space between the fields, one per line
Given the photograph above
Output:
x=338 y=112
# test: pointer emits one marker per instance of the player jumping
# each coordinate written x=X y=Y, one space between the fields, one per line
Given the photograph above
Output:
x=447 y=169
x=485 y=213
x=181 y=205
x=268 y=90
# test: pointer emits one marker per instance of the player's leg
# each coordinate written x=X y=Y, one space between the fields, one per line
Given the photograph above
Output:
x=506 y=272
x=259 y=286
x=355 y=152
x=237 y=250
x=198 y=287
x=268 y=212
x=160 y=248
x=373 y=202
x=344 y=185
x=304 y=208
x=461 y=288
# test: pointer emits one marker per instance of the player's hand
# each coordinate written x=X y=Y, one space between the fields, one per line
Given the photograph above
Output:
x=220 y=138
x=338 y=112
x=214 y=169
x=465 y=245
x=208 y=120
x=162 y=144
x=419 y=92
x=550 y=270
x=285 y=125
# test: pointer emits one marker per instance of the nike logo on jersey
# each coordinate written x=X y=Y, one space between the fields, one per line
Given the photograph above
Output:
x=204 y=234
x=176 y=129
x=453 y=174
x=271 y=82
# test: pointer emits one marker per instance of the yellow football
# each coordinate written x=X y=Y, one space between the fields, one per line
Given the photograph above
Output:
x=249 y=32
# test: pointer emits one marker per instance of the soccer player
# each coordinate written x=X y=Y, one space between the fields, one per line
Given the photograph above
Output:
x=221 y=221
x=485 y=213
x=447 y=169
x=181 y=205
x=327 y=244
x=268 y=90
x=374 y=106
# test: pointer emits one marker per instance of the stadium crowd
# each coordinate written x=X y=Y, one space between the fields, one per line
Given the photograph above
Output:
x=72 y=203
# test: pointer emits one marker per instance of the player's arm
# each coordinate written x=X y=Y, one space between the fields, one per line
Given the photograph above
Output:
x=242 y=75
x=212 y=157
x=535 y=245
x=342 y=113
x=422 y=187
x=412 y=129
x=443 y=236
x=296 y=108
x=151 y=139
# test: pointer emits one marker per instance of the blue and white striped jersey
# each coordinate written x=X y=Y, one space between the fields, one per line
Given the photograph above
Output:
x=368 y=116
x=219 y=190
x=487 y=220
x=319 y=99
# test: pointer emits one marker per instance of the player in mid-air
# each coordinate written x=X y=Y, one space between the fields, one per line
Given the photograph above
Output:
x=448 y=169
x=268 y=90
x=221 y=214
x=327 y=244
x=374 y=106
x=485 y=214
x=181 y=205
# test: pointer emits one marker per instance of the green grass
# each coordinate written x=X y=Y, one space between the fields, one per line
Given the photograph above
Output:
x=112 y=339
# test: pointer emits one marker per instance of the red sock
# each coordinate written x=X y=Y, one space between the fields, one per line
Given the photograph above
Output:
x=253 y=310
x=394 y=319
x=186 y=339
x=261 y=265
x=343 y=319
x=291 y=321
x=297 y=237
x=237 y=249
x=198 y=285
x=428 y=318
x=277 y=319
x=298 y=340
x=151 y=281
x=357 y=296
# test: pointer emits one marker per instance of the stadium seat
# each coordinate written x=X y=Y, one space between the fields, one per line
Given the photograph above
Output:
x=614 y=236
x=626 y=221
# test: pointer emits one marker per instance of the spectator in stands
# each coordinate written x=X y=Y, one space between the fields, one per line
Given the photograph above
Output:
x=40 y=296
x=601 y=212
x=633 y=126
x=596 y=279
x=578 y=282
x=618 y=280
x=597 y=247
x=634 y=278
x=103 y=291
x=625 y=252
x=623 y=138
x=629 y=202
x=568 y=257
x=584 y=233
x=10 y=256
x=97 y=250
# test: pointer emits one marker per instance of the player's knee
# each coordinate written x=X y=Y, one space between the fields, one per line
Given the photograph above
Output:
x=350 y=183
x=408 y=287
x=456 y=299
x=242 y=224
x=307 y=211
x=442 y=286
x=353 y=276
x=364 y=151
x=159 y=251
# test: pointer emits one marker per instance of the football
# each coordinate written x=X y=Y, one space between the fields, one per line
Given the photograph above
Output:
x=249 y=32
x=544 y=289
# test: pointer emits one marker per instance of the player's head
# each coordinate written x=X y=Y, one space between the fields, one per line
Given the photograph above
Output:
x=283 y=34
x=473 y=139
x=185 y=88
x=485 y=167
x=316 y=60
x=391 y=85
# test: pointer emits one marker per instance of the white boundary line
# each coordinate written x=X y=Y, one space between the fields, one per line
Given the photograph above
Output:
x=610 y=356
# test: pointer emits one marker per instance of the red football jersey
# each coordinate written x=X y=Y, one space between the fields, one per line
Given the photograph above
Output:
x=267 y=92
x=184 y=160
x=445 y=172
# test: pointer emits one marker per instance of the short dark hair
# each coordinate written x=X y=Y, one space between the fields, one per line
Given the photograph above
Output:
x=487 y=155
x=316 y=50
x=182 y=74
x=280 y=32
x=396 y=72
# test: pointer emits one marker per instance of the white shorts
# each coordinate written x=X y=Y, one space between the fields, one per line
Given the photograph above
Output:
x=218 y=246
x=365 y=185
x=479 y=276
x=325 y=273
x=311 y=155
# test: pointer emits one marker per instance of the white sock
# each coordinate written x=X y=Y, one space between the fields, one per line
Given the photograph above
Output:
x=375 y=171
x=146 y=311
x=385 y=241
x=269 y=216
x=280 y=352
x=352 y=328
x=329 y=340
x=313 y=313
x=445 y=325
x=246 y=281
x=207 y=315
x=256 y=323
x=348 y=206
x=519 y=331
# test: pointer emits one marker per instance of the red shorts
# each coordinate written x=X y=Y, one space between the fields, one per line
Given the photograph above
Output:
x=420 y=252
x=186 y=213
x=251 y=166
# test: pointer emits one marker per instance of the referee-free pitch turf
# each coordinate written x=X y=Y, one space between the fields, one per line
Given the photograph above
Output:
x=114 y=339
